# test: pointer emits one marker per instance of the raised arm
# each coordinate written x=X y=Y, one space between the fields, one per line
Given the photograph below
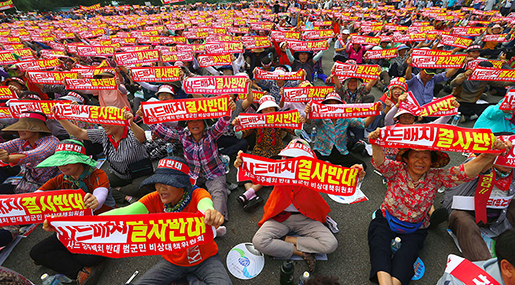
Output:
x=485 y=160
x=377 y=151
x=139 y=133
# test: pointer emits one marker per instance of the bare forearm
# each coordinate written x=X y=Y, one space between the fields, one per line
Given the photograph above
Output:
x=480 y=164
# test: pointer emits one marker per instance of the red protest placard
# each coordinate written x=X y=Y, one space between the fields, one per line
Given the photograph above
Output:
x=492 y=74
x=256 y=95
x=172 y=40
x=365 y=71
x=383 y=53
x=216 y=85
x=256 y=42
x=467 y=272
x=38 y=64
x=7 y=57
x=206 y=60
x=429 y=52
x=16 y=107
x=283 y=120
x=6 y=93
x=186 y=109
x=284 y=35
x=304 y=171
x=439 y=61
x=95 y=50
x=135 y=57
x=223 y=48
x=474 y=63
x=91 y=114
x=5 y=113
x=343 y=111
x=437 y=137
x=261 y=26
x=495 y=38
x=32 y=208
x=467 y=31
x=508 y=102
x=364 y=40
x=317 y=34
x=132 y=235
x=306 y=94
x=88 y=73
x=50 y=77
x=307 y=46
x=454 y=41
x=269 y=75
x=91 y=84
x=173 y=56
x=507 y=160
x=155 y=74
x=50 y=54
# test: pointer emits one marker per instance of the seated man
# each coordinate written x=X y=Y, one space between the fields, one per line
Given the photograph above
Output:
x=502 y=268
x=462 y=220
x=294 y=209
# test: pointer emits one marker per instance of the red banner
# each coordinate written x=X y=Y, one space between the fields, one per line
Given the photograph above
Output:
x=91 y=114
x=383 y=53
x=261 y=26
x=495 y=38
x=364 y=40
x=51 y=54
x=269 y=75
x=135 y=57
x=16 y=107
x=186 y=109
x=172 y=40
x=304 y=171
x=508 y=102
x=91 y=84
x=6 y=93
x=89 y=8
x=282 y=120
x=306 y=94
x=484 y=188
x=474 y=63
x=89 y=73
x=95 y=50
x=437 y=137
x=429 y=52
x=492 y=74
x=50 y=77
x=7 y=58
x=357 y=71
x=173 y=56
x=317 y=34
x=155 y=74
x=343 y=111
x=438 y=61
x=280 y=36
x=437 y=108
x=257 y=42
x=38 y=64
x=308 y=46
x=214 y=60
x=223 y=48
x=455 y=41
x=33 y=208
x=467 y=31
x=5 y=113
x=467 y=272
x=508 y=159
x=132 y=235
x=216 y=85
x=256 y=95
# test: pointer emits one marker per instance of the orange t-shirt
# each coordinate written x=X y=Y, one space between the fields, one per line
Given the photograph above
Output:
x=193 y=255
x=98 y=178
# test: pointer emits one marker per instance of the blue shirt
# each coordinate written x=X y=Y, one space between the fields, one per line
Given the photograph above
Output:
x=424 y=94
x=494 y=119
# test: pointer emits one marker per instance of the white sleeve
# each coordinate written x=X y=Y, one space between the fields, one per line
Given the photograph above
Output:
x=101 y=194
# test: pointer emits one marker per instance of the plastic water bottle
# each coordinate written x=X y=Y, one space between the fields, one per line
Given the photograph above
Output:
x=304 y=278
x=286 y=276
x=456 y=119
x=396 y=244
x=315 y=76
x=58 y=279
x=169 y=149
x=225 y=160
x=313 y=135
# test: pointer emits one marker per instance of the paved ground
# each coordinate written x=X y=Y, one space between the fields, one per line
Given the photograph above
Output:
x=350 y=262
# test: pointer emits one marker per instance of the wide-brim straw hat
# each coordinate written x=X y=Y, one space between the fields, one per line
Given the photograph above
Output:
x=29 y=122
x=68 y=152
x=438 y=160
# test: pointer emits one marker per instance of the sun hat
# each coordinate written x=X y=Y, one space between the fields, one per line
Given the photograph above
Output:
x=346 y=32
x=68 y=152
x=172 y=171
x=165 y=89
x=297 y=148
x=438 y=158
x=297 y=53
x=333 y=96
x=15 y=79
x=30 y=95
x=474 y=48
x=73 y=96
x=497 y=26
x=267 y=101
x=105 y=73
x=29 y=122
x=402 y=112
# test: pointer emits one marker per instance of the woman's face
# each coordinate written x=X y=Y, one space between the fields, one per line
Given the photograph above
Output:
x=24 y=135
x=396 y=92
x=419 y=162
x=352 y=84
x=196 y=127
x=169 y=194
x=163 y=96
x=268 y=110
x=406 y=119
x=73 y=170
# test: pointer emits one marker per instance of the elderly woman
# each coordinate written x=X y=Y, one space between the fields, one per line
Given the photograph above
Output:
x=412 y=180
x=78 y=172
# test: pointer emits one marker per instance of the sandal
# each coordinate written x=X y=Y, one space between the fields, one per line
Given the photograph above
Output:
x=310 y=260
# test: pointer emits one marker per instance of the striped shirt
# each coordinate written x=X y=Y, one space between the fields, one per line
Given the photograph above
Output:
x=43 y=148
x=202 y=156
x=119 y=155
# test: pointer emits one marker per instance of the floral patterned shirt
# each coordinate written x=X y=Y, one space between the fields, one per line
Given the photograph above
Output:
x=411 y=201
x=330 y=135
